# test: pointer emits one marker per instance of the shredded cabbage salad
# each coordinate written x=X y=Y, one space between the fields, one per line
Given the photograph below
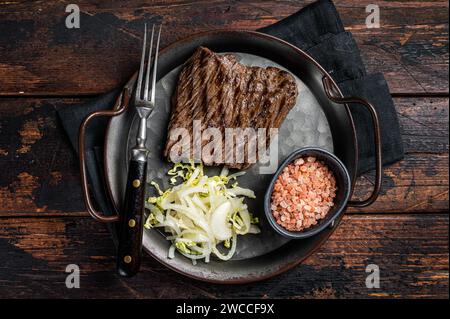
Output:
x=201 y=212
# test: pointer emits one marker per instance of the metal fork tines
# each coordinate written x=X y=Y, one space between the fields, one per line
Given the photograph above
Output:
x=145 y=94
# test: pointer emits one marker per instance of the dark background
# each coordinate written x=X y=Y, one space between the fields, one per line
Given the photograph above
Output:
x=43 y=222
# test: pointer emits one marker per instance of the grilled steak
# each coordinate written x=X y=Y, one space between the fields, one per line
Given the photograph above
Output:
x=215 y=91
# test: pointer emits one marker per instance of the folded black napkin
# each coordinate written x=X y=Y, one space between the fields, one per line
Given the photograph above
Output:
x=71 y=118
x=316 y=29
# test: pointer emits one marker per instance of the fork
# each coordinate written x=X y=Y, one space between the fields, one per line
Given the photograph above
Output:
x=131 y=218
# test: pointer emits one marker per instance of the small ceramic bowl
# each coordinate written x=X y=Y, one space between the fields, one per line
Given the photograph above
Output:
x=340 y=201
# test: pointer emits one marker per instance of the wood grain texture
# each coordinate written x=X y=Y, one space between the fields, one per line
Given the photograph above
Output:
x=411 y=252
x=419 y=182
x=40 y=56
x=39 y=170
x=42 y=174
x=44 y=226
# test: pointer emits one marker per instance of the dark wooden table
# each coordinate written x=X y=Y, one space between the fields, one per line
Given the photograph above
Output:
x=44 y=225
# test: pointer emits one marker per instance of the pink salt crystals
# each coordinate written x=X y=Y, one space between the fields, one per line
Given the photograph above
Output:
x=303 y=194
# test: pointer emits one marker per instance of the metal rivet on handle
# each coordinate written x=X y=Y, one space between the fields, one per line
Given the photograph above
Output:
x=131 y=223
x=127 y=259
x=136 y=183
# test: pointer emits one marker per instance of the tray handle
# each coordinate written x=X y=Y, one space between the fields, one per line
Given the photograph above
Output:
x=328 y=85
x=121 y=105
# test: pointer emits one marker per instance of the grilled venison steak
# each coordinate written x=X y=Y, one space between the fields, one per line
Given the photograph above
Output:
x=216 y=91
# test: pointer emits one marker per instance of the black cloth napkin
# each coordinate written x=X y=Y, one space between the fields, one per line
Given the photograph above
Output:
x=71 y=118
x=316 y=29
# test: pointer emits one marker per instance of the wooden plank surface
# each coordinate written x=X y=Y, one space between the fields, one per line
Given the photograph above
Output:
x=40 y=56
x=420 y=181
x=411 y=252
x=43 y=177
x=44 y=226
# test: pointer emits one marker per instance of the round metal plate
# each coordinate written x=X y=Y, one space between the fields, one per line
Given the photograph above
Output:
x=259 y=256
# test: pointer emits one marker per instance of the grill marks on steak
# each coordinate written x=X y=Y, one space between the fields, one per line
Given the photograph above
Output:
x=222 y=93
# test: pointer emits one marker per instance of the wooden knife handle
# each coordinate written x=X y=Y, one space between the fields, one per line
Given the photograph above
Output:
x=131 y=220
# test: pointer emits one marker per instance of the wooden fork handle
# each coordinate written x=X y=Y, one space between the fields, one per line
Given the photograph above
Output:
x=131 y=219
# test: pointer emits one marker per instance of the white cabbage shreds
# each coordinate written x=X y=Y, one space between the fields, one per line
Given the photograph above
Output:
x=201 y=212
